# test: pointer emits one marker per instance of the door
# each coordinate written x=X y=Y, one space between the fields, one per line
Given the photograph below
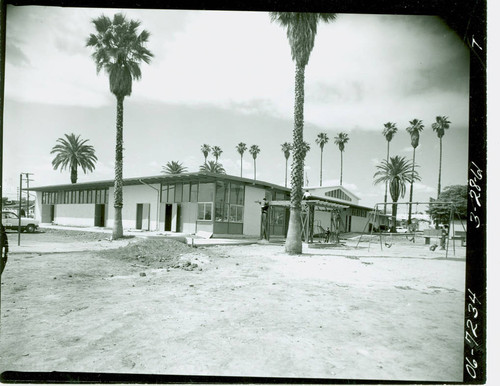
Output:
x=168 y=217
x=138 y=217
x=277 y=221
x=145 y=216
x=142 y=217
x=47 y=213
x=100 y=215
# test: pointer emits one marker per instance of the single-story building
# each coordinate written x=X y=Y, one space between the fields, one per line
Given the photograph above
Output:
x=188 y=202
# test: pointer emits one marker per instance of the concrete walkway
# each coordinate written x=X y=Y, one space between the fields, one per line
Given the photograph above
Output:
x=38 y=245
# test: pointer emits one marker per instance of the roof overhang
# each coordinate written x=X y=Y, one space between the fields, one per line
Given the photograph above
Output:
x=201 y=177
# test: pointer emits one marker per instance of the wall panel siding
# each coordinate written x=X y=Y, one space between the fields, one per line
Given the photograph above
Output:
x=358 y=223
x=133 y=195
x=74 y=214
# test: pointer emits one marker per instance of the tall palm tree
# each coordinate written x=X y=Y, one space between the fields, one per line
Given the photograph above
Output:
x=389 y=130
x=216 y=151
x=322 y=140
x=340 y=140
x=254 y=150
x=301 y=31
x=205 y=149
x=119 y=48
x=71 y=153
x=212 y=167
x=174 y=167
x=442 y=124
x=396 y=172
x=241 y=147
x=286 y=147
x=414 y=129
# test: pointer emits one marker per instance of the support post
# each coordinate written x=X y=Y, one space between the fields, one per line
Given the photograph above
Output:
x=19 y=210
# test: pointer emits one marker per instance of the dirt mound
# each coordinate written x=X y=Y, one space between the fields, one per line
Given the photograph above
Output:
x=159 y=253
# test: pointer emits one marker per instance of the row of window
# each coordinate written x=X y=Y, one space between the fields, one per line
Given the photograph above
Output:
x=359 y=212
x=86 y=196
x=338 y=193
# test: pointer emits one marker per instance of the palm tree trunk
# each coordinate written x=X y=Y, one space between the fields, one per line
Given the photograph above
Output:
x=394 y=215
x=74 y=174
x=440 y=161
x=411 y=188
x=385 y=195
x=286 y=170
x=321 y=169
x=254 y=169
x=118 y=186
x=341 y=166
x=293 y=244
x=241 y=165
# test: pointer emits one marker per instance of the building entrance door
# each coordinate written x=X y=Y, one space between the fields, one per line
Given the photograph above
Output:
x=142 y=217
x=168 y=217
x=100 y=215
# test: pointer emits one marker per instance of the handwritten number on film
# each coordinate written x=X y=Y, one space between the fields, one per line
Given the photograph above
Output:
x=471 y=333
x=475 y=194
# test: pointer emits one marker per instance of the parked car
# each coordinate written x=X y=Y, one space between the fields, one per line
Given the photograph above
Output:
x=10 y=220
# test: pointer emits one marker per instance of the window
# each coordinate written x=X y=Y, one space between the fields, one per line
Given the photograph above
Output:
x=358 y=212
x=221 y=206
x=237 y=194
x=88 y=196
x=205 y=211
x=236 y=213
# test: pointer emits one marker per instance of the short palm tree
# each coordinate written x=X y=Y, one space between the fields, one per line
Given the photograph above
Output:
x=119 y=49
x=71 y=153
x=216 y=151
x=205 y=149
x=340 y=140
x=439 y=127
x=389 y=130
x=322 y=140
x=396 y=172
x=241 y=148
x=174 y=167
x=286 y=148
x=301 y=31
x=414 y=129
x=254 y=150
x=212 y=167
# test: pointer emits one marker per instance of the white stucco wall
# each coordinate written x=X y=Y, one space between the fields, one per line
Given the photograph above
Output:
x=38 y=206
x=74 y=214
x=358 y=224
x=189 y=213
x=252 y=212
x=133 y=195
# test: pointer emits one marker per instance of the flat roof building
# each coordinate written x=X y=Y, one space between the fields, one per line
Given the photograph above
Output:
x=220 y=204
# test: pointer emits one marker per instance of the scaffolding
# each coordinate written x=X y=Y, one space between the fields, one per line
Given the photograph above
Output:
x=309 y=207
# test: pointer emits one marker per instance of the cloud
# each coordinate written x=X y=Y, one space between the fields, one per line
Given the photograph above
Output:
x=16 y=55
x=418 y=186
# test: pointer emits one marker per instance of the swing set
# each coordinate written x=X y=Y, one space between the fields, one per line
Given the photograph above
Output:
x=379 y=223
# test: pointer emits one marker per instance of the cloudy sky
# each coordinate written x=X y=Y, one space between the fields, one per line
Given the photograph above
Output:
x=227 y=77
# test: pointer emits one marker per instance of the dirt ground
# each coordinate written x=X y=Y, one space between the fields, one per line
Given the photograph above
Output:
x=69 y=304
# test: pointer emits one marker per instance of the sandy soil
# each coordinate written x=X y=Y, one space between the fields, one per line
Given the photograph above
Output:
x=244 y=311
